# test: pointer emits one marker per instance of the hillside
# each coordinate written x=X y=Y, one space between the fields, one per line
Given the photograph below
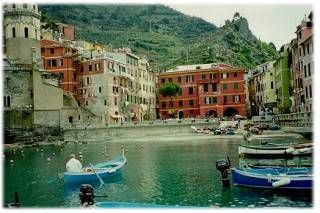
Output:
x=165 y=36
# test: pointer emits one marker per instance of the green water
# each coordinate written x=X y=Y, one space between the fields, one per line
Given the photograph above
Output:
x=172 y=171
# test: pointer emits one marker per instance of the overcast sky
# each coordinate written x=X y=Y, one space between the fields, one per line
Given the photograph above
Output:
x=270 y=23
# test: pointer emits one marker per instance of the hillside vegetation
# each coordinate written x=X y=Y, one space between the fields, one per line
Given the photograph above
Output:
x=166 y=36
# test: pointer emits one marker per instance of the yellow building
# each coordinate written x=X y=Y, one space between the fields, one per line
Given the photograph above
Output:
x=269 y=88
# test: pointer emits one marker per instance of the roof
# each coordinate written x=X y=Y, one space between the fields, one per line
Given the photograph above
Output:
x=199 y=67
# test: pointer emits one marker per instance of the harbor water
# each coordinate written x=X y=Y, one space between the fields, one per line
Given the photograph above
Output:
x=173 y=170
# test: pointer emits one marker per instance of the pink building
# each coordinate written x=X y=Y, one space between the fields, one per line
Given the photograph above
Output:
x=306 y=66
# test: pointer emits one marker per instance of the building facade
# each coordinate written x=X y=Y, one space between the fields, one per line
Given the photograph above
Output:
x=207 y=90
x=282 y=80
x=306 y=65
x=21 y=32
x=61 y=58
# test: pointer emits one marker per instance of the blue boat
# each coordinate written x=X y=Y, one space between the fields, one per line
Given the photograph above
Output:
x=103 y=170
x=271 y=178
x=109 y=204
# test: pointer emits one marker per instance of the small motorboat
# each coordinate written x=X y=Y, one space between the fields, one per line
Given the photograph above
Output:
x=283 y=177
x=99 y=171
x=268 y=149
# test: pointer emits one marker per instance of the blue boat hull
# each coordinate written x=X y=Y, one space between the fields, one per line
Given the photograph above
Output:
x=108 y=204
x=251 y=179
x=105 y=171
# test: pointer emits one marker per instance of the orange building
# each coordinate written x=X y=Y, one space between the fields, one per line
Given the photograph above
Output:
x=207 y=90
x=61 y=59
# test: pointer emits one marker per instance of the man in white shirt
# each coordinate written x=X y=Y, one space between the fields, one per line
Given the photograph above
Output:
x=73 y=165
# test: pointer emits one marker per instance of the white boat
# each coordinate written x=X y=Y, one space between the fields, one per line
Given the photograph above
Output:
x=281 y=150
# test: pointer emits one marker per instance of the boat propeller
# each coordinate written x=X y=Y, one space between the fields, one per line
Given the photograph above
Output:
x=223 y=167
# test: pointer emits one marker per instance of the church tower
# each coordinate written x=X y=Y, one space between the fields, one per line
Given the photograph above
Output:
x=22 y=32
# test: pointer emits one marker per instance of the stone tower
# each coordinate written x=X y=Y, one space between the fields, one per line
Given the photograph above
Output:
x=22 y=32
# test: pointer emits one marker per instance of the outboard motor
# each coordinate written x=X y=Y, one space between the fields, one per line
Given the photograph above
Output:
x=86 y=195
x=16 y=203
x=223 y=166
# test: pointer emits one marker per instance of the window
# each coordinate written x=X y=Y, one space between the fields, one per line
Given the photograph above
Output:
x=34 y=7
x=235 y=86
x=60 y=62
x=198 y=67
x=306 y=92
x=7 y=101
x=26 y=33
x=74 y=76
x=271 y=84
x=180 y=103
x=189 y=78
x=308 y=49
x=170 y=79
x=87 y=103
x=214 y=100
x=88 y=80
x=310 y=91
x=70 y=119
x=100 y=89
x=25 y=6
x=97 y=66
x=90 y=67
x=212 y=76
x=81 y=68
x=225 y=98
x=52 y=62
x=224 y=75
x=192 y=112
x=236 y=98
x=51 y=51
x=190 y=102
x=203 y=76
x=13 y=6
x=163 y=80
x=13 y=32
x=190 y=90
x=115 y=101
x=305 y=71
x=309 y=69
x=205 y=87
x=179 y=79
x=207 y=100
x=214 y=87
x=235 y=75
x=225 y=86
x=163 y=104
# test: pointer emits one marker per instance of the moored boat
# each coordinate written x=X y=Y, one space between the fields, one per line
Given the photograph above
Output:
x=279 y=150
x=99 y=171
x=299 y=178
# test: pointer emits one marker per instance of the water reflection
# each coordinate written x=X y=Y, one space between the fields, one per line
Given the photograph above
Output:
x=180 y=171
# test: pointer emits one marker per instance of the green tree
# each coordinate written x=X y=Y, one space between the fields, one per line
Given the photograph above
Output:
x=170 y=90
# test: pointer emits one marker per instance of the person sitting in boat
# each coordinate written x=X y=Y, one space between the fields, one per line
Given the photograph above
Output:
x=73 y=165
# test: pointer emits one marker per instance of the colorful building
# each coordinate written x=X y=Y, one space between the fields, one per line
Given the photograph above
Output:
x=60 y=58
x=269 y=88
x=282 y=80
x=306 y=66
x=146 y=91
x=207 y=90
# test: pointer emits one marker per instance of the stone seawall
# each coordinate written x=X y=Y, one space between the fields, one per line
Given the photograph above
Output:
x=130 y=131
